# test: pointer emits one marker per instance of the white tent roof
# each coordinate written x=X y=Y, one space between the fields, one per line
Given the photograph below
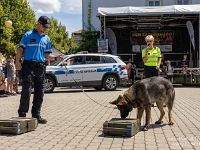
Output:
x=130 y=10
x=149 y=17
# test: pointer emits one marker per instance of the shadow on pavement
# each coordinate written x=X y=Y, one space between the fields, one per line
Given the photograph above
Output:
x=152 y=126
x=7 y=135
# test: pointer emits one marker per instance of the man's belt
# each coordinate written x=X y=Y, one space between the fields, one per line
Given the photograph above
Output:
x=34 y=64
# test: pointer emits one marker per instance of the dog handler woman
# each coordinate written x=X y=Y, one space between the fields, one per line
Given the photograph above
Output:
x=151 y=57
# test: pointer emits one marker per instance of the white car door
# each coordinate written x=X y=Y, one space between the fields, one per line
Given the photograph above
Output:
x=92 y=68
x=72 y=72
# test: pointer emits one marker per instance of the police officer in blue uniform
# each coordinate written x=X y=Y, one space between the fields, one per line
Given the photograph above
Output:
x=37 y=48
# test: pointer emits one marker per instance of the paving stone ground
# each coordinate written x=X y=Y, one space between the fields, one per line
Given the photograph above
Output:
x=75 y=123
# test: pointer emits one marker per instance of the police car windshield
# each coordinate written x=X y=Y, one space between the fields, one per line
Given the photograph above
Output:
x=55 y=63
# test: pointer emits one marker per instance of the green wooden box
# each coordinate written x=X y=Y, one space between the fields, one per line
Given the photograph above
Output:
x=121 y=127
x=18 y=125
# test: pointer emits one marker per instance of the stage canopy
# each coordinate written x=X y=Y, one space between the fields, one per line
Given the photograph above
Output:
x=149 y=17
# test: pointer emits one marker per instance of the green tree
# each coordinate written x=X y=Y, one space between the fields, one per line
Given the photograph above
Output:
x=23 y=19
x=89 y=39
x=59 y=36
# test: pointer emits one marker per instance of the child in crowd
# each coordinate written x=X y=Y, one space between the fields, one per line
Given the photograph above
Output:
x=10 y=75
x=169 y=70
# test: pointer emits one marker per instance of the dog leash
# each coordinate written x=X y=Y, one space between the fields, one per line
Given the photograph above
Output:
x=84 y=91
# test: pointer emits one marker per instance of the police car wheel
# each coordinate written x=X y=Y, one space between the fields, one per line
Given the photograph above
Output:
x=49 y=84
x=98 y=88
x=110 y=83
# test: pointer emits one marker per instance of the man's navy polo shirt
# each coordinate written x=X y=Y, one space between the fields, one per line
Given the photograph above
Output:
x=35 y=46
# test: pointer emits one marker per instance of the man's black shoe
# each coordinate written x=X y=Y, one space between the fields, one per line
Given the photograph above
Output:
x=41 y=120
x=22 y=114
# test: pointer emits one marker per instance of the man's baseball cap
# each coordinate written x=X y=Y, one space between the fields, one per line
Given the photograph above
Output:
x=45 y=21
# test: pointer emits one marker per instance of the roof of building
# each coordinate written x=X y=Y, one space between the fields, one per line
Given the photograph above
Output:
x=77 y=32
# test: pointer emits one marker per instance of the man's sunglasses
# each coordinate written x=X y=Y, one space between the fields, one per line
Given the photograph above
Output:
x=42 y=25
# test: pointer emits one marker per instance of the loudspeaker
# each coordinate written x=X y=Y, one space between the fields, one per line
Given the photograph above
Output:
x=94 y=49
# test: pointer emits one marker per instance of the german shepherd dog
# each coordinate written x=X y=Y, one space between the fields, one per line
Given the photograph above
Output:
x=142 y=94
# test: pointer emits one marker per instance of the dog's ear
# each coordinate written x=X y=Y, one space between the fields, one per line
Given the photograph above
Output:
x=122 y=103
x=115 y=102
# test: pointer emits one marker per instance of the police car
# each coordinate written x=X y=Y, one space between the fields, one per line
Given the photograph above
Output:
x=86 y=69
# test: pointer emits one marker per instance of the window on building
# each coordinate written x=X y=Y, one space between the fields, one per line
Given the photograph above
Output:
x=154 y=3
x=183 y=2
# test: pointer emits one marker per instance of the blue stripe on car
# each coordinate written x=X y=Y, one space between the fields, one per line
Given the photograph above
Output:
x=59 y=72
x=104 y=70
x=115 y=68
x=63 y=72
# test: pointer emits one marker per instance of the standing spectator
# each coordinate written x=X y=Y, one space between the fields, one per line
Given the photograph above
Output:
x=128 y=67
x=151 y=57
x=4 y=69
x=37 y=47
x=184 y=64
x=10 y=75
x=15 y=83
x=169 y=70
x=1 y=65
x=132 y=69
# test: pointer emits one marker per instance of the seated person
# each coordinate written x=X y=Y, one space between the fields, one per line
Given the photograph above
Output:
x=3 y=86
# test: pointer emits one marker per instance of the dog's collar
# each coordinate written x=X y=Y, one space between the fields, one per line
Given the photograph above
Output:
x=127 y=100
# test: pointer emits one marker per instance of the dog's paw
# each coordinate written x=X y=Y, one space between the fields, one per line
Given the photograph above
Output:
x=145 y=128
x=158 y=122
x=171 y=123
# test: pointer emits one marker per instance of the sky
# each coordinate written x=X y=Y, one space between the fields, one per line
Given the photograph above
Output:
x=66 y=12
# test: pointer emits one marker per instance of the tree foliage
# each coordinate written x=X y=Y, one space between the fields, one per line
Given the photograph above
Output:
x=59 y=36
x=89 y=39
x=23 y=19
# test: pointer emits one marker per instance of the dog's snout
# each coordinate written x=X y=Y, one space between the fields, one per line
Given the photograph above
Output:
x=124 y=114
